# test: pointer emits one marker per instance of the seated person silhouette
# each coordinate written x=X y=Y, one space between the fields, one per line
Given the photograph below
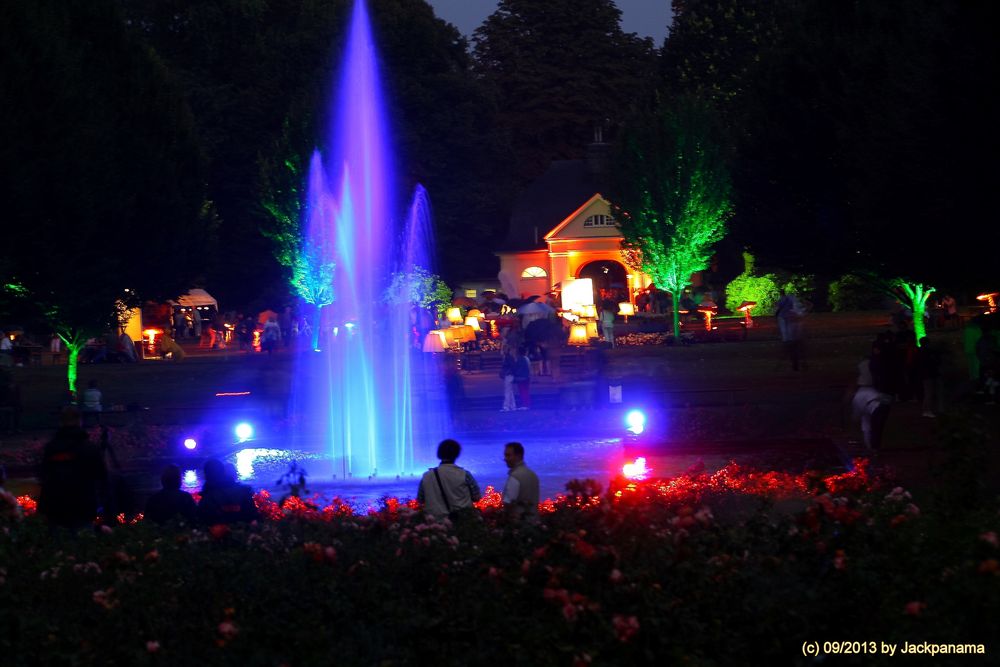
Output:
x=223 y=499
x=170 y=502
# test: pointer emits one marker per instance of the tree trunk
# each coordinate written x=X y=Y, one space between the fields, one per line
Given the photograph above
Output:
x=317 y=326
x=72 y=364
x=677 y=314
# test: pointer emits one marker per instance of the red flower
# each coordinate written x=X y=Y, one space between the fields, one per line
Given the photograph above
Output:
x=989 y=566
x=914 y=608
x=152 y=646
x=218 y=531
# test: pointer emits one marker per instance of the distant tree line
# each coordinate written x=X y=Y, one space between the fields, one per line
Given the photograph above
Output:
x=155 y=144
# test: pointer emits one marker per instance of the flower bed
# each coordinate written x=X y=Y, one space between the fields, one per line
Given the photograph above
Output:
x=734 y=567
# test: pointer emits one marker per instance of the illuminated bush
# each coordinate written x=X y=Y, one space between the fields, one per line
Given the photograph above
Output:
x=750 y=287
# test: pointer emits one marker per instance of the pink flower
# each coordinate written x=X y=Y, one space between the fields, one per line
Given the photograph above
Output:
x=569 y=612
x=152 y=646
x=914 y=608
x=990 y=537
x=616 y=576
x=840 y=560
x=625 y=627
x=228 y=629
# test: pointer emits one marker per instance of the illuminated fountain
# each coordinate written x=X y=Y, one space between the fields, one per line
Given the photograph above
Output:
x=375 y=404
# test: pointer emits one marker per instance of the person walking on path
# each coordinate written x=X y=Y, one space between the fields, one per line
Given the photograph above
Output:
x=522 y=378
x=170 y=502
x=447 y=488
x=790 y=314
x=91 y=404
x=608 y=321
x=271 y=335
x=520 y=493
x=507 y=375
x=871 y=401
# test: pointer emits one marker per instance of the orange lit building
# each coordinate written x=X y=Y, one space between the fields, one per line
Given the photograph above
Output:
x=561 y=229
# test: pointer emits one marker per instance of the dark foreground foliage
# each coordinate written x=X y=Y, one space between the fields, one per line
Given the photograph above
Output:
x=706 y=569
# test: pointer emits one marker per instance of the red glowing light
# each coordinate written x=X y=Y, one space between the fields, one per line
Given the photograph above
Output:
x=637 y=469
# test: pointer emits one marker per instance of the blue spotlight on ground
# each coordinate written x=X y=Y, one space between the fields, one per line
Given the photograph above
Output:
x=244 y=431
x=635 y=421
x=190 y=443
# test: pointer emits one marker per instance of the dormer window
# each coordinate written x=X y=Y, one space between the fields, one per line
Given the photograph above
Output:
x=534 y=272
x=599 y=220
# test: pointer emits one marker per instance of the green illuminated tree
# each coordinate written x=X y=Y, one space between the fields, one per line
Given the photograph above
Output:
x=916 y=295
x=312 y=279
x=671 y=195
x=419 y=287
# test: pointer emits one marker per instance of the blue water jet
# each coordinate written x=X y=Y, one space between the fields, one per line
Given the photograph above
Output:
x=375 y=401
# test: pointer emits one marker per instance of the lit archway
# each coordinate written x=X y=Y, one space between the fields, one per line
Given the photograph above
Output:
x=609 y=277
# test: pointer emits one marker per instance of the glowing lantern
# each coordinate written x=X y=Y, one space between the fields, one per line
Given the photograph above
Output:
x=475 y=312
x=626 y=308
x=473 y=321
x=588 y=310
x=577 y=293
x=463 y=333
x=592 y=329
x=435 y=341
x=636 y=470
x=454 y=315
x=745 y=308
x=990 y=299
x=578 y=334
x=708 y=309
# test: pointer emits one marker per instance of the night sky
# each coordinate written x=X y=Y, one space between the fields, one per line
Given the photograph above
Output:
x=648 y=18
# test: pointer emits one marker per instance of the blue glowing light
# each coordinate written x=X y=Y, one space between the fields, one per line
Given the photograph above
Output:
x=244 y=431
x=190 y=443
x=635 y=420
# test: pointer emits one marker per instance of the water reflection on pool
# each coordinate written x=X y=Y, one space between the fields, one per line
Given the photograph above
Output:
x=555 y=461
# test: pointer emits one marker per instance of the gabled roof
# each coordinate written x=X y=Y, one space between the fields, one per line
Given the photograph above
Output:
x=575 y=214
x=561 y=190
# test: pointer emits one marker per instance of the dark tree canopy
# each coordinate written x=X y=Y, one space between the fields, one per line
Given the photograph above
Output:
x=862 y=132
x=558 y=68
x=241 y=64
x=103 y=181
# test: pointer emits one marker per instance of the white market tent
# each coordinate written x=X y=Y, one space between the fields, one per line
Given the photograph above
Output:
x=195 y=297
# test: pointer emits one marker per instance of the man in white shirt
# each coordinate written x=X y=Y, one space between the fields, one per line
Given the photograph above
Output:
x=520 y=493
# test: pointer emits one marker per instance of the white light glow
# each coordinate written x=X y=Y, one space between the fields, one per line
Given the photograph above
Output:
x=244 y=431
x=635 y=421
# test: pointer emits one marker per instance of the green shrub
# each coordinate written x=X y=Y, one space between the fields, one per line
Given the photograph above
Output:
x=750 y=287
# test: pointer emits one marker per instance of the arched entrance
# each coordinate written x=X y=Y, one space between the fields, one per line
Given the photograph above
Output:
x=609 y=277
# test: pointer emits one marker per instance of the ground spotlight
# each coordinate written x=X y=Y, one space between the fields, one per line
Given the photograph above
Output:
x=190 y=444
x=244 y=431
x=635 y=421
